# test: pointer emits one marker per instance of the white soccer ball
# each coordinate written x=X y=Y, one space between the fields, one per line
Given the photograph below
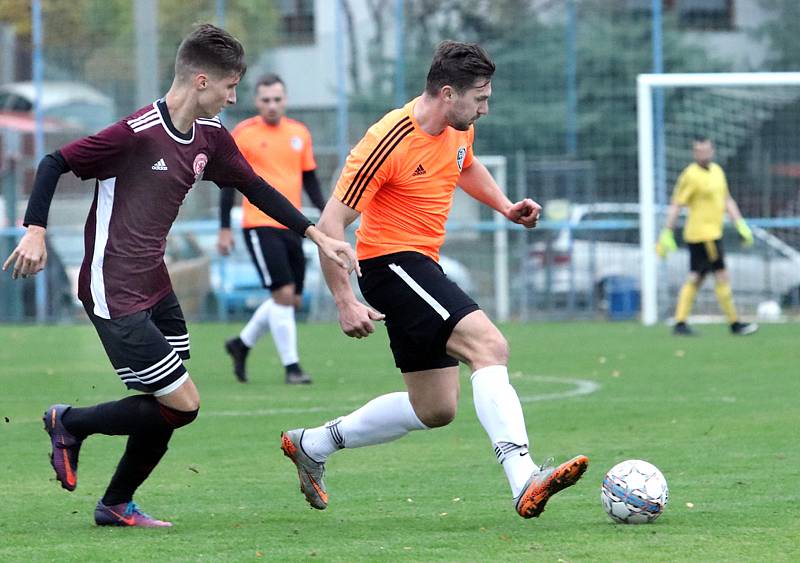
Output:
x=634 y=492
x=769 y=310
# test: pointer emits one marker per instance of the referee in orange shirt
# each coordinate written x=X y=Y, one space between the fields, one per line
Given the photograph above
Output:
x=280 y=150
x=400 y=179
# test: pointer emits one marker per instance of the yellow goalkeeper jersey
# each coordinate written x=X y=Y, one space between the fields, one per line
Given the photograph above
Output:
x=704 y=191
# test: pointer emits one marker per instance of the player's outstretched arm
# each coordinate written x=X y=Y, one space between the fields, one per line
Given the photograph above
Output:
x=355 y=318
x=476 y=181
x=30 y=255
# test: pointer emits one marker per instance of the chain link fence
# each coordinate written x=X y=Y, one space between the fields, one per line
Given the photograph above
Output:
x=562 y=115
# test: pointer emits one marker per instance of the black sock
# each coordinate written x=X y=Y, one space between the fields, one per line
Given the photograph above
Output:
x=131 y=415
x=293 y=368
x=142 y=454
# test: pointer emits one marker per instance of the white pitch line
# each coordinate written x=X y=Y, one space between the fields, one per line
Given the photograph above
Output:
x=580 y=387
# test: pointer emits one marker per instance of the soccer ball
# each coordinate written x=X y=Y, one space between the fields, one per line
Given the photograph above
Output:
x=769 y=310
x=634 y=492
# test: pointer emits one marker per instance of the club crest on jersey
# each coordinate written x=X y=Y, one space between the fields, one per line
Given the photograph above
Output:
x=199 y=165
x=460 y=156
x=297 y=143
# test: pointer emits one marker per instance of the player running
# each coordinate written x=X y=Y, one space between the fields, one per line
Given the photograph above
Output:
x=401 y=178
x=280 y=150
x=144 y=165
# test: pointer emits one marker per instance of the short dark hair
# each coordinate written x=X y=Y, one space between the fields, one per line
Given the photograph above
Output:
x=269 y=79
x=211 y=49
x=700 y=138
x=458 y=65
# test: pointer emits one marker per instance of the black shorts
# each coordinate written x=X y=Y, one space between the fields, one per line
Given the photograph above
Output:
x=278 y=256
x=422 y=306
x=706 y=256
x=147 y=348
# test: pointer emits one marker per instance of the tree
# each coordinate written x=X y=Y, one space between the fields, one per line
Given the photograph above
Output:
x=782 y=33
x=527 y=41
x=100 y=40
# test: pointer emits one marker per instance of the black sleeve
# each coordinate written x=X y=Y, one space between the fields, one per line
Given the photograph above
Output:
x=225 y=205
x=273 y=203
x=311 y=186
x=50 y=170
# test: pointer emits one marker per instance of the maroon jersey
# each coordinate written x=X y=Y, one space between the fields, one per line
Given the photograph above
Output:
x=144 y=168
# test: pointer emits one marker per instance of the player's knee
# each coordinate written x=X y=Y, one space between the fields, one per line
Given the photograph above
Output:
x=177 y=418
x=439 y=416
x=284 y=295
x=494 y=348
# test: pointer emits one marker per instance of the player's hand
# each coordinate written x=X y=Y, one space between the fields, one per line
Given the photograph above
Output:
x=356 y=319
x=30 y=255
x=525 y=212
x=666 y=243
x=339 y=251
x=744 y=232
x=225 y=242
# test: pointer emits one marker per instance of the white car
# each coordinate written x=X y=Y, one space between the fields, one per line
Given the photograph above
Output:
x=237 y=287
x=600 y=242
x=71 y=104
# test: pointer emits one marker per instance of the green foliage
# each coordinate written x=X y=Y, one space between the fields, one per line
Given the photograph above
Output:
x=716 y=414
x=100 y=43
x=782 y=33
x=528 y=110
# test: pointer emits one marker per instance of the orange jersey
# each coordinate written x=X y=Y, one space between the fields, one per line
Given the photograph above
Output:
x=279 y=154
x=402 y=181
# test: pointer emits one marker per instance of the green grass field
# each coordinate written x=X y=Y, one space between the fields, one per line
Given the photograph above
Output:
x=718 y=415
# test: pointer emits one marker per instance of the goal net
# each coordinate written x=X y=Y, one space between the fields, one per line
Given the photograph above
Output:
x=753 y=120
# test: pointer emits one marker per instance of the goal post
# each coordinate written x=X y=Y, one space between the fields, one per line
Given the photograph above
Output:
x=647 y=84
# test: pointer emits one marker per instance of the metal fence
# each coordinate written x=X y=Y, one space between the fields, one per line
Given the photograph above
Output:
x=562 y=114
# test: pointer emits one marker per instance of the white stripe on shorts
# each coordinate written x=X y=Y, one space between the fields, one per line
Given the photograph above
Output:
x=155 y=366
x=153 y=373
x=172 y=386
x=179 y=343
x=427 y=297
x=260 y=261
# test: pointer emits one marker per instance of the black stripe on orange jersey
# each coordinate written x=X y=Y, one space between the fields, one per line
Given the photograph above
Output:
x=363 y=188
x=357 y=185
x=391 y=148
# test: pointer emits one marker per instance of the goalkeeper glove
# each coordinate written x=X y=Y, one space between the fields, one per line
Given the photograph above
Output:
x=744 y=232
x=666 y=243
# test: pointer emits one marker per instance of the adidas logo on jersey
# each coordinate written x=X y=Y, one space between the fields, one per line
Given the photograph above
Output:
x=419 y=171
x=160 y=165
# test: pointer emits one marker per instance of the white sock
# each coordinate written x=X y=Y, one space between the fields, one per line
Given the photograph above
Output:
x=284 y=332
x=257 y=325
x=381 y=420
x=500 y=413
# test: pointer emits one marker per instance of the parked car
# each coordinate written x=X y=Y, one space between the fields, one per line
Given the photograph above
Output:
x=600 y=242
x=74 y=105
x=70 y=110
x=236 y=288
x=187 y=264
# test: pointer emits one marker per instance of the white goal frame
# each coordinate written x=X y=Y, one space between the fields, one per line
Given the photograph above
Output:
x=645 y=85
